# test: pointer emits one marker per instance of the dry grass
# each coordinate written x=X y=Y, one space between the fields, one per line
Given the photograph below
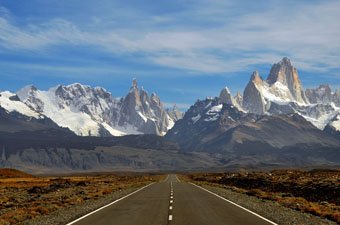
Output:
x=27 y=197
x=13 y=173
x=316 y=192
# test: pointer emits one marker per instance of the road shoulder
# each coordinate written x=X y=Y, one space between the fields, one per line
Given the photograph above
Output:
x=268 y=209
x=68 y=214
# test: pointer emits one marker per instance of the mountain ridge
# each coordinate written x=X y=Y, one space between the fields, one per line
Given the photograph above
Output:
x=94 y=111
x=272 y=125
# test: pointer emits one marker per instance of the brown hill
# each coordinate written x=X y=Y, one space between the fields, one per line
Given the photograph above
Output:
x=13 y=173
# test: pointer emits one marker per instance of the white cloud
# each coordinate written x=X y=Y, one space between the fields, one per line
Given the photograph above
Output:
x=309 y=34
x=181 y=106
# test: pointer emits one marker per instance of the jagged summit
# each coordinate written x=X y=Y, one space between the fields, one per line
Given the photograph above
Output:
x=285 y=73
x=22 y=93
x=256 y=78
x=282 y=93
x=322 y=94
x=239 y=99
x=175 y=113
x=134 y=83
x=225 y=96
x=86 y=110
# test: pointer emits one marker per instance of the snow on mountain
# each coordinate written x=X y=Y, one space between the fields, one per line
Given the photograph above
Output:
x=226 y=98
x=60 y=108
x=93 y=111
x=282 y=87
x=145 y=112
x=335 y=122
x=239 y=99
x=10 y=102
x=284 y=73
x=282 y=93
x=174 y=113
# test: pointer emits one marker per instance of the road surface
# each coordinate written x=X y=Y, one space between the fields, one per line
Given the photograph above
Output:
x=172 y=202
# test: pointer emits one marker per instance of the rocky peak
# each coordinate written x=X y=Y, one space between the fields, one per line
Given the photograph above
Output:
x=174 y=113
x=145 y=100
x=28 y=95
x=156 y=105
x=26 y=91
x=336 y=98
x=256 y=79
x=132 y=100
x=239 y=98
x=87 y=110
x=155 y=99
x=144 y=112
x=286 y=74
x=134 y=84
x=225 y=96
x=322 y=94
x=282 y=72
x=253 y=100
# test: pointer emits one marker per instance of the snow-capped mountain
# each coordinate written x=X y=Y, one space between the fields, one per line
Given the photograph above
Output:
x=15 y=116
x=145 y=112
x=11 y=103
x=91 y=111
x=226 y=98
x=212 y=126
x=282 y=93
x=282 y=87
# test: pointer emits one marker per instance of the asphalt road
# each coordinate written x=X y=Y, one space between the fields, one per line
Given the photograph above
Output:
x=172 y=202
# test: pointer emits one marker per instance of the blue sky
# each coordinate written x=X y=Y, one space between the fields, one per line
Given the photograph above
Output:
x=182 y=50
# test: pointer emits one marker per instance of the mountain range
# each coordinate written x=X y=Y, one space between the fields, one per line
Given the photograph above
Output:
x=275 y=123
x=91 y=111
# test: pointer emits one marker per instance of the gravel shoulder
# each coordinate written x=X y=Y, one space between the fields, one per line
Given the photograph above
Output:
x=266 y=208
x=68 y=214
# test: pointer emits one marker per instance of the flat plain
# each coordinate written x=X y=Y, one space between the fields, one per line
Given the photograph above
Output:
x=24 y=197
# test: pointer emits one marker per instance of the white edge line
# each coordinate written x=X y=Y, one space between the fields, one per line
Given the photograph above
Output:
x=108 y=205
x=177 y=178
x=235 y=204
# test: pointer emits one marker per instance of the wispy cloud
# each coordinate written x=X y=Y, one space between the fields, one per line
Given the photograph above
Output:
x=308 y=33
x=181 y=106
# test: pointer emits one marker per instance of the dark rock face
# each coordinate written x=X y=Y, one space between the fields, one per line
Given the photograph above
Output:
x=322 y=94
x=204 y=128
x=16 y=122
x=336 y=98
x=239 y=99
x=225 y=96
x=253 y=100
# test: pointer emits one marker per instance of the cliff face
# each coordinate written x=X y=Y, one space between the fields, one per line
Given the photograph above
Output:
x=253 y=100
x=287 y=75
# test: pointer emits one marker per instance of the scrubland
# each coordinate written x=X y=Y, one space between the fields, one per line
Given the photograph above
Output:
x=24 y=197
x=316 y=192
